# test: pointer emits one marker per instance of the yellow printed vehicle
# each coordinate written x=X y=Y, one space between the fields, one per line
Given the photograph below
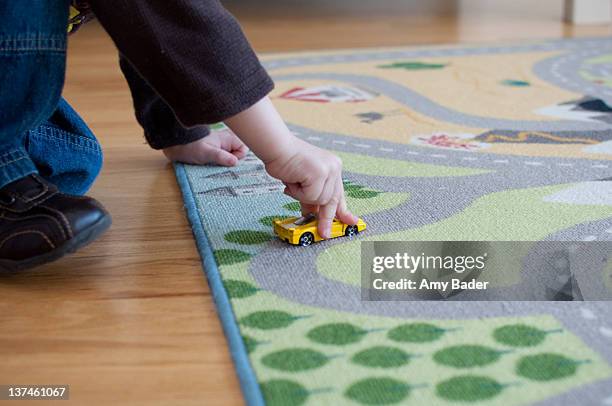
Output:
x=303 y=230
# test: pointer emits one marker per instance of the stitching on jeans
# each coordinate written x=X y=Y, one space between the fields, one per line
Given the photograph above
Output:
x=43 y=235
x=3 y=216
x=11 y=162
x=68 y=137
x=60 y=51
x=94 y=146
x=37 y=42
x=64 y=219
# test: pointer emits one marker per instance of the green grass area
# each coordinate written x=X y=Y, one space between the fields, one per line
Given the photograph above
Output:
x=368 y=165
x=600 y=59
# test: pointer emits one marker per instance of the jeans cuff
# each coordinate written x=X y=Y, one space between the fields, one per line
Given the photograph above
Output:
x=14 y=165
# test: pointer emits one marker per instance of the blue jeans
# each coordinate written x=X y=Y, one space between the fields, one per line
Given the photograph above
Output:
x=39 y=131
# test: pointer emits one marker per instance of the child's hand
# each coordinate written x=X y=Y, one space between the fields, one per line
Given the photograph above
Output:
x=313 y=176
x=219 y=147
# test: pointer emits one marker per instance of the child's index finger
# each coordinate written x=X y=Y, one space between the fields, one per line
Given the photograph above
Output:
x=326 y=216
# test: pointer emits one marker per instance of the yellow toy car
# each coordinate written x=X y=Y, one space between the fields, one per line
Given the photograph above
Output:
x=303 y=230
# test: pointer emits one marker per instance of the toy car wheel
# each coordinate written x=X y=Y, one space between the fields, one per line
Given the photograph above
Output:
x=306 y=239
x=351 y=231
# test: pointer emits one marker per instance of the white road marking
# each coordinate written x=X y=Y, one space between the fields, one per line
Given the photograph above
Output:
x=599 y=166
x=362 y=145
x=609 y=231
x=315 y=138
x=470 y=158
x=587 y=314
x=386 y=149
x=501 y=161
x=339 y=142
x=438 y=155
x=590 y=238
x=565 y=164
x=413 y=153
x=532 y=163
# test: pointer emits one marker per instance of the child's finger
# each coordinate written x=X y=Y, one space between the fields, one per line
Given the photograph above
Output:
x=244 y=150
x=222 y=157
x=342 y=213
x=239 y=148
x=241 y=151
x=326 y=216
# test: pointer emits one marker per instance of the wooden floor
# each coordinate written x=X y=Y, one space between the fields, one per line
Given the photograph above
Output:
x=130 y=320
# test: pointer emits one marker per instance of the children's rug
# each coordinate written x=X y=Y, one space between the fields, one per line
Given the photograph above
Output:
x=489 y=143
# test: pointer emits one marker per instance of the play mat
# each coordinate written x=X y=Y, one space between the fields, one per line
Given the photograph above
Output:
x=507 y=142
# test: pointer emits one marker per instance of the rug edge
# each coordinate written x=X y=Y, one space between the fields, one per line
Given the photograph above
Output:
x=246 y=374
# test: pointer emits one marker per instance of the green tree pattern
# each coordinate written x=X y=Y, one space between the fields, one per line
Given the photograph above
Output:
x=269 y=319
x=295 y=360
x=467 y=356
x=230 y=256
x=336 y=334
x=381 y=357
x=468 y=388
x=239 y=289
x=546 y=367
x=378 y=391
x=416 y=333
x=521 y=335
x=248 y=237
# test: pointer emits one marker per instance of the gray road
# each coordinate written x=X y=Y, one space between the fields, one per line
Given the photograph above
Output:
x=428 y=107
x=564 y=71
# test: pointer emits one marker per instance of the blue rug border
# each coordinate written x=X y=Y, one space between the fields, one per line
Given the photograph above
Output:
x=246 y=374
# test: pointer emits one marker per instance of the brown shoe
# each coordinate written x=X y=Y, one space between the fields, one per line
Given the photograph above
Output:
x=38 y=224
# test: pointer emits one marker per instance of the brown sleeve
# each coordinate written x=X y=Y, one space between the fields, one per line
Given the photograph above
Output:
x=161 y=128
x=193 y=53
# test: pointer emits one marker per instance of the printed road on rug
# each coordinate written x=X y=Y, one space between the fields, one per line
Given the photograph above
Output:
x=509 y=142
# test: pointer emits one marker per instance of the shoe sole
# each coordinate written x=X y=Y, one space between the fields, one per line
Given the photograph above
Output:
x=84 y=238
